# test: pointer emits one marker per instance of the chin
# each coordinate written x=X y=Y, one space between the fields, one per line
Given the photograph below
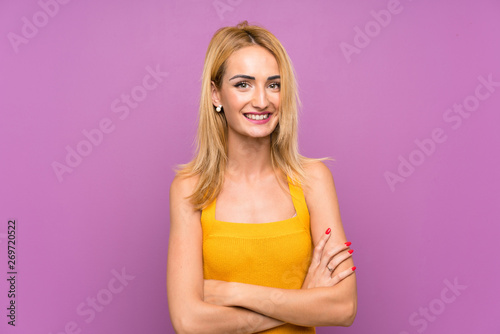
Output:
x=261 y=134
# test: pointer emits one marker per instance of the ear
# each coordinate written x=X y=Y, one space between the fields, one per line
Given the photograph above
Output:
x=215 y=95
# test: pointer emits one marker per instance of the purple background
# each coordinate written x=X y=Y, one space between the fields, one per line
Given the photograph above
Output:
x=365 y=110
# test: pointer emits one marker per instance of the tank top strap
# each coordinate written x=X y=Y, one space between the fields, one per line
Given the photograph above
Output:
x=299 y=201
x=208 y=213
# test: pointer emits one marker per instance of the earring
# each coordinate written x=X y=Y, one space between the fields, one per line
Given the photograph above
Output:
x=219 y=108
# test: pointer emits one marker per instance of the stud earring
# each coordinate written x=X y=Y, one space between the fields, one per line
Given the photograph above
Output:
x=219 y=108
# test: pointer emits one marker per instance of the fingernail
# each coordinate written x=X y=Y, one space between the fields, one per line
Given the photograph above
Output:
x=328 y=231
x=350 y=251
x=353 y=268
x=348 y=243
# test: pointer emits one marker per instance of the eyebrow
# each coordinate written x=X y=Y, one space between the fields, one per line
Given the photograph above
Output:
x=274 y=77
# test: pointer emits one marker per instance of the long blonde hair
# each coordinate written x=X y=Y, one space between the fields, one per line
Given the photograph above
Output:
x=210 y=159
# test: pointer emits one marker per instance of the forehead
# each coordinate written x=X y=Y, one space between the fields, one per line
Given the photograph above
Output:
x=252 y=60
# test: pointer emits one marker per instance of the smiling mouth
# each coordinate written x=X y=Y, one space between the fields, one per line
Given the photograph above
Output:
x=257 y=117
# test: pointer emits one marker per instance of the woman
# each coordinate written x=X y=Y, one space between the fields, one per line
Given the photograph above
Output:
x=247 y=210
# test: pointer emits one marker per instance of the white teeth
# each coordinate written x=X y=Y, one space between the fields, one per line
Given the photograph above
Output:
x=257 y=117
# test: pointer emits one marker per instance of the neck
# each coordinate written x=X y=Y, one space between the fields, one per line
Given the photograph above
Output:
x=249 y=158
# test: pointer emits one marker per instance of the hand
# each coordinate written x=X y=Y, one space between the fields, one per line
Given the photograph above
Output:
x=323 y=264
x=216 y=292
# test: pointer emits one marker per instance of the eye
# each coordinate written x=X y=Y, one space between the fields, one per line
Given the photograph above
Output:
x=242 y=84
x=275 y=85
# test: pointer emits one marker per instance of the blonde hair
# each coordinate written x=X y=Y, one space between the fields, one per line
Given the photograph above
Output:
x=210 y=160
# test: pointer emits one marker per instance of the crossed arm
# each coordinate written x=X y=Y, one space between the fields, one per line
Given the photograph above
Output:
x=208 y=306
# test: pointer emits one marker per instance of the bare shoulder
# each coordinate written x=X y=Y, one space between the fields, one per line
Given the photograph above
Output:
x=182 y=210
x=182 y=186
x=322 y=203
x=317 y=168
x=318 y=178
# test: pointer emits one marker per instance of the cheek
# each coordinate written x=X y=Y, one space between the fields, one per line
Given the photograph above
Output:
x=276 y=101
x=234 y=100
x=277 y=120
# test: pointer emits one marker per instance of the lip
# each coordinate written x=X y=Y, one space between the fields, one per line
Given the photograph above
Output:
x=260 y=121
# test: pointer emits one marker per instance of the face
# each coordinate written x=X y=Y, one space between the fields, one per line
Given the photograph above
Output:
x=249 y=93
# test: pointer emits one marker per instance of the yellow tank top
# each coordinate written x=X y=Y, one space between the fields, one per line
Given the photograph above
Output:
x=275 y=254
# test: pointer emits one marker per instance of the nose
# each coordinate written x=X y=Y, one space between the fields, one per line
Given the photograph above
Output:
x=259 y=99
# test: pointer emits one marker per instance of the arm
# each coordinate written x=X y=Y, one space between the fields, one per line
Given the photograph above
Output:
x=188 y=312
x=322 y=202
x=321 y=301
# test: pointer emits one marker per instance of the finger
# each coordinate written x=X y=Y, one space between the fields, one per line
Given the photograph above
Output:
x=330 y=252
x=346 y=273
x=336 y=260
x=318 y=250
